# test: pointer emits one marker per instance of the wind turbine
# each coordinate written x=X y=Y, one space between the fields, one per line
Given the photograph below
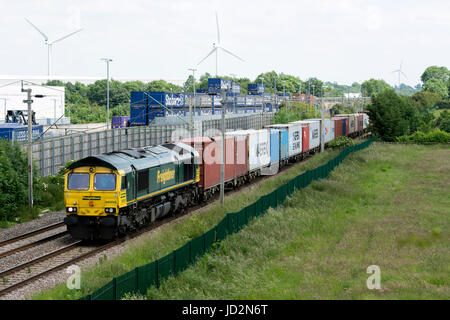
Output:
x=50 y=43
x=217 y=46
x=400 y=72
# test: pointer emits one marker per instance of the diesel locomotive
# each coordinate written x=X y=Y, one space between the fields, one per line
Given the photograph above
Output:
x=118 y=192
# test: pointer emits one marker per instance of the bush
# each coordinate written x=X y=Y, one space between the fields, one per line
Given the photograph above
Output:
x=47 y=192
x=341 y=143
x=294 y=112
x=419 y=137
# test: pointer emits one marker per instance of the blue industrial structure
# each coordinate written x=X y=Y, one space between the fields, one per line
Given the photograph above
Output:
x=19 y=132
x=145 y=106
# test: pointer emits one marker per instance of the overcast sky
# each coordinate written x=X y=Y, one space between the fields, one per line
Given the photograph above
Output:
x=333 y=40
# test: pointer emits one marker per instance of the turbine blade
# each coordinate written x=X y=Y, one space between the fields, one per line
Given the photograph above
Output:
x=218 y=33
x=231 y=53
x=37 y=29
x=212 y=51
x=404 y=74
x=66 y=36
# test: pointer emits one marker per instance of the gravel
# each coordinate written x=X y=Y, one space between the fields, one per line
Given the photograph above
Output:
x=19 y=229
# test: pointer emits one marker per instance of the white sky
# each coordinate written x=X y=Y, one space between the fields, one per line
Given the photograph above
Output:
x=341 y=40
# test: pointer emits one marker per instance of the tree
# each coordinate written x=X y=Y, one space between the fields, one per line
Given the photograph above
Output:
x=372 y=87
x=392 y=115
x=437 y=86
x=426 y=99
x=435 y=72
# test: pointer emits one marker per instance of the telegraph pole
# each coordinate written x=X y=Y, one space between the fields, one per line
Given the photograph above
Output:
x=191 y=121
x=322 y=125
x=29 y=101
x=222 y=165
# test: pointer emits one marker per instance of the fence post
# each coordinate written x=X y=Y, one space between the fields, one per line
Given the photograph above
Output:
x=114 y=281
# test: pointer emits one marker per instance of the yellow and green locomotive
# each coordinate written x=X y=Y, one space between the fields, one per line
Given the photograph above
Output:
x=114 y=193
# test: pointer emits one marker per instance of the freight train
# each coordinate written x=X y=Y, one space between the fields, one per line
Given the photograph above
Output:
x=115 y=193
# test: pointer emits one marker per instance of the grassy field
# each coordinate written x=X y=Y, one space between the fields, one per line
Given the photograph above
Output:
x=388 y=205
x=172 y=236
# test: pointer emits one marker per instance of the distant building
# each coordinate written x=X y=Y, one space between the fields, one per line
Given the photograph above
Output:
x=352 y=95
x=48 y=109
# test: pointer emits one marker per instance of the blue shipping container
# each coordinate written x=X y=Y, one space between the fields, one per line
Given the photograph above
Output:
x=18 y=132
x=284 y=144
x=119 y=122
x=217 y=85
x=138 y=108
x=274 y=146
x=255 y=88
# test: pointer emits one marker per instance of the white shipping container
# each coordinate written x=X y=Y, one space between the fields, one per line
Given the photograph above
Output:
x=294 y=137
x=314 y=131
x=258 y=147
x=352 y=123
x=365 y=121
x=328 y=130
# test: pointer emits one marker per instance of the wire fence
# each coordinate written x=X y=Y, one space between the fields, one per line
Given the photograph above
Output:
x=141 y=278
x=51 y=155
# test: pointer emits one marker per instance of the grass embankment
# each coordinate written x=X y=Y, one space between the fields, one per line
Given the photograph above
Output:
x=387 y=205
x=172 y=236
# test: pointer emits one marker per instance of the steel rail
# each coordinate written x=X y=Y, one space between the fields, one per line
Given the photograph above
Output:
x=32 y=233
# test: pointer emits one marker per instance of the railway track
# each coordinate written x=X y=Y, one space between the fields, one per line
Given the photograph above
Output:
x=31 y=239
x=21 y=275
x=25 y=273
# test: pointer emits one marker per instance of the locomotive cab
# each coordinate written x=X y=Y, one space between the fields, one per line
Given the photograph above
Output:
x=94 y=192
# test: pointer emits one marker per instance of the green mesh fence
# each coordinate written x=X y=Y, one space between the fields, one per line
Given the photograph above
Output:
x=141 y=278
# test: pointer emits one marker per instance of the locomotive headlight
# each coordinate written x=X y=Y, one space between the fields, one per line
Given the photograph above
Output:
x=110 y=210
x=71 y=209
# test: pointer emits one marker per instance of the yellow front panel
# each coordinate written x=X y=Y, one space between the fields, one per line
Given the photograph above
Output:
x=92 y=202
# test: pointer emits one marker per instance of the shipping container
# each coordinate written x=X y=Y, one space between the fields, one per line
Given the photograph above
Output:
x=294 y=137
x=256 y=88
x=217 y=85
x=305 y=138
x=210 y=155
x=365 y=121
x=314 y=132
x=328 y=128
x=339 y=126
x=119 y=122
x=359 y=122
x=284 y=144
x=258 y=147
x=236 y=88
x=138 y=108
x=18 y=132
x=274 y=147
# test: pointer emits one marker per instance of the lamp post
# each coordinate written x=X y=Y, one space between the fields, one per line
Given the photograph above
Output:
x=107 y=60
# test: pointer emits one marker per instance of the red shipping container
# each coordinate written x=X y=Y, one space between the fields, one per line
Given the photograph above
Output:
x=347 y=125
x=337 y=126
x=209 y=150
x=305 y=138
